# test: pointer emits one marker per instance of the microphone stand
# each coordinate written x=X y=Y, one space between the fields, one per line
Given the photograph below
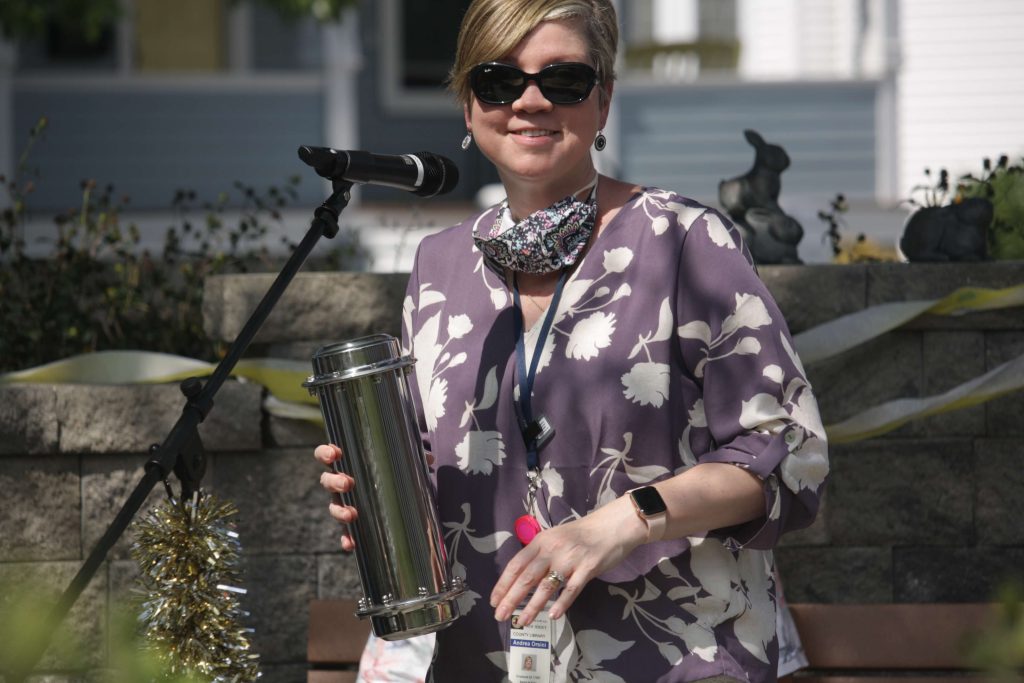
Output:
x=182 y=452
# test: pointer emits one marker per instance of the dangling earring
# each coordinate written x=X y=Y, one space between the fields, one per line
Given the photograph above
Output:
x=468 y=140
x=600 y=142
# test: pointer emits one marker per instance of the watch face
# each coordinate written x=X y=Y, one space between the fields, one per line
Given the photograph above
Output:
x=648 y=501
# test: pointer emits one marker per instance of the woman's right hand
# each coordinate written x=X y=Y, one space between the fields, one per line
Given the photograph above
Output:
x=337 y=483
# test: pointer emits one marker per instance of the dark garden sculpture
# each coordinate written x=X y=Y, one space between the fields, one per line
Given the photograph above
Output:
x=947 y=232
x=751 y=200
x=956 y=232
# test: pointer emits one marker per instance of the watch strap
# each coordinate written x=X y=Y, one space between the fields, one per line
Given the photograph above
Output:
x=656 y=522
x=656 y=526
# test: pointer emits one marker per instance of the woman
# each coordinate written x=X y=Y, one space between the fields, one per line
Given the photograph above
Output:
x=621 y=429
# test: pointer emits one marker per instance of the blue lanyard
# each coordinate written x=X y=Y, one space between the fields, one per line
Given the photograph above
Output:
x=526 y=378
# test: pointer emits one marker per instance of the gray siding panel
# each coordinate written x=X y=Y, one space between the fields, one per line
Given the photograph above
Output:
x=689 y=137
x=149 y=143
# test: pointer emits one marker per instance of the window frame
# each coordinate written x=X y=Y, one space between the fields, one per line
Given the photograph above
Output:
x=395 y=97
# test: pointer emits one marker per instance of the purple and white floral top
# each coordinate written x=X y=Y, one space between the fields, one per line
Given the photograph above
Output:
x=666 y=350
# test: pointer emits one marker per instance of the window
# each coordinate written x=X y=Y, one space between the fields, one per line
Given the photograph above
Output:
x=417 y=47
x=65 y=46
x=429 y=35
x=185 y=36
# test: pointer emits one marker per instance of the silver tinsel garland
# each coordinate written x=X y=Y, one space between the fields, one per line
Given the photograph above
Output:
x=188 y=555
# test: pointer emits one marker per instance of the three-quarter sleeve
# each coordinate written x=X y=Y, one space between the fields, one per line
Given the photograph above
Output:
x=409 y=326
x=757 y=407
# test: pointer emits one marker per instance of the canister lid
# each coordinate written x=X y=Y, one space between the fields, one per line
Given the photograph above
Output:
x=355 y=358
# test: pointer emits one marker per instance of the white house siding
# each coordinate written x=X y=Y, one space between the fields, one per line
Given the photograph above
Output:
x=961 y=85
x=827 y=36
x=674 y=21
x=810 y=38
x=768 y=33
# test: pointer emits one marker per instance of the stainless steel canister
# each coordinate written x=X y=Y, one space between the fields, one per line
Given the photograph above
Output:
x=364 y=395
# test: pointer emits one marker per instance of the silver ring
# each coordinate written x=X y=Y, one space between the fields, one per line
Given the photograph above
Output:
x=555 y=577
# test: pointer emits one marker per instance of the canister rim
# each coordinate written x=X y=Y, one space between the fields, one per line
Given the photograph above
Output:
x=358 y=344
x=412 y=604
x=359 y=371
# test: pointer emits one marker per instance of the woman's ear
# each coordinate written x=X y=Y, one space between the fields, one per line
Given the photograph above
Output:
x=465 y=114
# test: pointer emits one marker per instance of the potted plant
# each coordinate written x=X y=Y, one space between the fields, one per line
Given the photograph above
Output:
x=1003 y=186
x=939 y=231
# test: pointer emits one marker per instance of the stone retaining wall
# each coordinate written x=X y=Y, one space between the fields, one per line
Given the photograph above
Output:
x=929 y=512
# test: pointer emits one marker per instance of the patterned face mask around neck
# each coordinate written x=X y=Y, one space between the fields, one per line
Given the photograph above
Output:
x=546 y=241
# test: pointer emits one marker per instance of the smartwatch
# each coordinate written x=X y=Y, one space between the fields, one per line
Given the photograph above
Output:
x=651 y=508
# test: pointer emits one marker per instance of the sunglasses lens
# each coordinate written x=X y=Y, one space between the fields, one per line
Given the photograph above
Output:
x=559 y=83
x=567 y=83
x=498 y=84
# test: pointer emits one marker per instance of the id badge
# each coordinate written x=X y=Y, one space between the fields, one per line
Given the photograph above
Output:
x=529 y=650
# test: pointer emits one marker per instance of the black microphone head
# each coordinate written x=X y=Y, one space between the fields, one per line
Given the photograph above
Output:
x=322 y=159
x=440 y=174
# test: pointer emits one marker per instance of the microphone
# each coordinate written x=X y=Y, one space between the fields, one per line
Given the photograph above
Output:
x=423 y=173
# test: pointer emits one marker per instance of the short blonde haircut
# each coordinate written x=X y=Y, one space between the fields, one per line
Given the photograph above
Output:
x=493 y=28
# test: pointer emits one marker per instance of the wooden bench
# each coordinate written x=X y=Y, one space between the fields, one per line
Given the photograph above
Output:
x=919 y=643
x=336 y=640
x=903 y=643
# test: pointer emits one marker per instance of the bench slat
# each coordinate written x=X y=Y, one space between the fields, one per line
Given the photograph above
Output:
x=888 y=637
x=336 y=634
x=943 y=678
x=880 y=638
x=331 y=677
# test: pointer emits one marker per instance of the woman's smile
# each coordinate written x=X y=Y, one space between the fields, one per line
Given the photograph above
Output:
x=534 y=137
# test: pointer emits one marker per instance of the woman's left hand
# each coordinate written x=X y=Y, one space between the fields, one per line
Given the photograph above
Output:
x=578 y=551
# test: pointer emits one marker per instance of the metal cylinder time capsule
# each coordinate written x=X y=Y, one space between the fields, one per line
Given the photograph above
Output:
x=363 y=390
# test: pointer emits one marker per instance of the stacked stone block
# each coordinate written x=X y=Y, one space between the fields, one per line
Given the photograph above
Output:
x=930 y=512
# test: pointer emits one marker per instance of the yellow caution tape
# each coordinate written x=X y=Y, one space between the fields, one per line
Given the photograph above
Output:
x=883 y=418
x=112 y=367
x=971 y=299
x=832 y=338
x=292 y=411
x=282 y=378
x=842 y=334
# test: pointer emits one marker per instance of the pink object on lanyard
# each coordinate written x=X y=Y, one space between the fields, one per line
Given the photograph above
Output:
x=527 y=527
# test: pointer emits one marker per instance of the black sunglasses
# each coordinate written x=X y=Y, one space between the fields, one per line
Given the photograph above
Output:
x=564 y=83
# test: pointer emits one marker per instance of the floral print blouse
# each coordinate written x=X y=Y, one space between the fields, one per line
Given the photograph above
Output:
x=666 y=351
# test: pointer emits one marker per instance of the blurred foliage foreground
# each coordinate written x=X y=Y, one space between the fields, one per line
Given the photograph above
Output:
x=124 y=656
x=90 y=286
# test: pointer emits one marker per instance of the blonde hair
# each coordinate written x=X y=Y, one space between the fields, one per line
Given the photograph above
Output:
x=492 y=28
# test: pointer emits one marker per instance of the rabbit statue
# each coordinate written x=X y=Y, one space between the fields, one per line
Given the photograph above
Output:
x=751 y=200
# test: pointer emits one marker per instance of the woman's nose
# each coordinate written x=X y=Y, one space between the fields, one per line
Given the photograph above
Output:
x=532 y=99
